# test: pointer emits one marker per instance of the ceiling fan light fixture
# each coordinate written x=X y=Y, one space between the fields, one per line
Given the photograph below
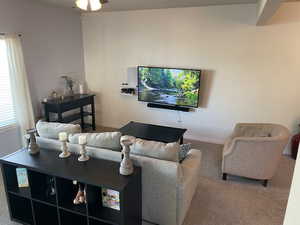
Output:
x=89 y=5
x=95 y=5
x=82 y=4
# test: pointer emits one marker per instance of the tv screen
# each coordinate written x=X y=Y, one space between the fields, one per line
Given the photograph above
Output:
x=169 y=86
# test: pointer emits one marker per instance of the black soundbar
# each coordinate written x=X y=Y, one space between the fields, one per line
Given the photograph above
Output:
x=171 y=107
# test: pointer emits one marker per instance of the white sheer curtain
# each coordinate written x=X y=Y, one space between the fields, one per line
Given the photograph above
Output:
x=19 y=83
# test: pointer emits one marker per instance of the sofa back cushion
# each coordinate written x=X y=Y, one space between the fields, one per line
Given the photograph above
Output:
x=154 y=149
x=108 y=140
x=51 y=130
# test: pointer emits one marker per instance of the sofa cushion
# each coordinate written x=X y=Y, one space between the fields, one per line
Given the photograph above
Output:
x=51 y=130
x=154 y=149
x=108 y=140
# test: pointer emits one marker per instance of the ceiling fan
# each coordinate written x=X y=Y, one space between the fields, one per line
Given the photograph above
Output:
x=90 y=5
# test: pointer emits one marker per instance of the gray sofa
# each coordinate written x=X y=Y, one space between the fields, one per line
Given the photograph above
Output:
x=167 y=187
x=254 y=150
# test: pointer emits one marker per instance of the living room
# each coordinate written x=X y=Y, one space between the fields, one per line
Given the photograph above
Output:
x=246 y=52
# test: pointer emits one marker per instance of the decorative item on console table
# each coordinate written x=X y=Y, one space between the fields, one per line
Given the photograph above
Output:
x=83 y=154
x=295 y=144
x=69 y=85
x=63 y=136
x=31 y=146
x=126 y=167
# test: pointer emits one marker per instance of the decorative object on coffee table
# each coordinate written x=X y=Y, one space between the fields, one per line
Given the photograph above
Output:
x=31 y=146
x=126 y=167
x=295 y=145
x=83 y=153
x=63 y=136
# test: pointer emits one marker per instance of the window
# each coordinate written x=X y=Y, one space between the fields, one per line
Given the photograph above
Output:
x=7 y=112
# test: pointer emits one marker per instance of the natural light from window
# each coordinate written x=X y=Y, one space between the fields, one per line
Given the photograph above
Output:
x=7 y=113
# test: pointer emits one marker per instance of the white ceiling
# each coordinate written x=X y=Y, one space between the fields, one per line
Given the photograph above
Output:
x=118 y=5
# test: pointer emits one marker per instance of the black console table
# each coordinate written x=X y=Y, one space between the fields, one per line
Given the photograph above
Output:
x=69 y=103
x=33 y=205
x=153 y=132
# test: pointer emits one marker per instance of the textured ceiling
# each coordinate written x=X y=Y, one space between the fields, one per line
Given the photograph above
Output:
x=118 y=5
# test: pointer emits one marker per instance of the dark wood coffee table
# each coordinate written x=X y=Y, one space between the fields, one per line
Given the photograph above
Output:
x=153 y=132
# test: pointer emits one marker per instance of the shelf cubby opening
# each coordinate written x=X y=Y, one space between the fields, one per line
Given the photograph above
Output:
x=10 y=175
x=45 y=214
x=20 y=209
x=42 y=187
x=67 y=191
x=68 y=218
x=97 y=222
x=96 y=208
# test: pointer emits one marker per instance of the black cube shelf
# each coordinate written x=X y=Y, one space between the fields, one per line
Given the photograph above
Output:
x=45 y=214
x=49 y=198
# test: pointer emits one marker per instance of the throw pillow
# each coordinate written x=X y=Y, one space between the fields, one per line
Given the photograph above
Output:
x=108 y=140
x=51 y=130
x=184 y=150
x=154 y=149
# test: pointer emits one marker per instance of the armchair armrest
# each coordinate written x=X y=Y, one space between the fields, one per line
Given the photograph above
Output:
x=251 y=142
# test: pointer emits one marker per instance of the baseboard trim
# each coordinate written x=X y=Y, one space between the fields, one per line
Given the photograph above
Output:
x=205 y=139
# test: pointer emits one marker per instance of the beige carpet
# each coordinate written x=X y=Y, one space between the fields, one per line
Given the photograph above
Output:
x=233 y=202
x=238 y=201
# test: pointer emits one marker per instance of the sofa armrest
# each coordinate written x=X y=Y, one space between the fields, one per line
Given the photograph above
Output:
x=188 y=182
x=192 y=160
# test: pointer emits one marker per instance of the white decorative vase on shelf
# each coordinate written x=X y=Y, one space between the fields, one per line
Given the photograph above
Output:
x=83 y=153
x=126 y=167
x=63 y=136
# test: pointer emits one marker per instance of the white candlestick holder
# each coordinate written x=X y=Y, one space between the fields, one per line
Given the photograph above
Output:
x=126 y=167
x=65 y=153
x=83 y=154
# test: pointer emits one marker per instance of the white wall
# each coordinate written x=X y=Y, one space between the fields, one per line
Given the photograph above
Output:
x=52 y=44
x=251 y=73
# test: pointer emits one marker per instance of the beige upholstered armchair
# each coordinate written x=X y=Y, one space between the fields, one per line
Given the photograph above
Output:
x=254 y=151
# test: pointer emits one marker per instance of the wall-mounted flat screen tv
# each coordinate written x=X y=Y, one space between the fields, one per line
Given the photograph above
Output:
x=169 y=86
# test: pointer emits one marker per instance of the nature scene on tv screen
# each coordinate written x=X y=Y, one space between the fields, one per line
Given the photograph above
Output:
x=169 y=86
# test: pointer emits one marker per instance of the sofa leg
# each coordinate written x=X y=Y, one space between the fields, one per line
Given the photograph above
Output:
x=224 y=176
x=265 y=183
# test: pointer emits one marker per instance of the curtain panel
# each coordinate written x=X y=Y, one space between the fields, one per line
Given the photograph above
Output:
x=19 y=84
